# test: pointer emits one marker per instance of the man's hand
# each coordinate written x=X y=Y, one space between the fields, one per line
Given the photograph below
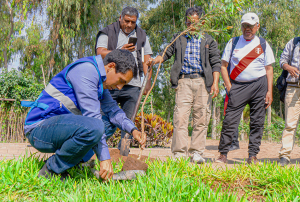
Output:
x=294 y=72
x=269 y=99
x=138 y=136
x=214 y=90
x=130 y=47
x=106 y=171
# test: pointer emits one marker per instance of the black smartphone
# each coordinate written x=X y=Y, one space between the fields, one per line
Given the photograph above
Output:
x=132 y=40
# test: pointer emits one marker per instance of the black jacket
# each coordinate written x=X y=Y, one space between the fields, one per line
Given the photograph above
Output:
x=112 y=31
x=210 y=57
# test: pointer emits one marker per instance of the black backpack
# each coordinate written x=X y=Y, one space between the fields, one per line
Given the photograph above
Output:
x=235 y=41
x=281 y=81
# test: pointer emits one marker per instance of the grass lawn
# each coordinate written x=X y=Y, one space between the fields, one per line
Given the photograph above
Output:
x=165 y=181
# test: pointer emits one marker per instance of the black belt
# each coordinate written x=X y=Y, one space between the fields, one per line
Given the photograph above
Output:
x=190 y=76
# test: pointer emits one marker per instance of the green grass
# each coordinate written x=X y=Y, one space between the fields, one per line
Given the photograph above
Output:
x=167 y=181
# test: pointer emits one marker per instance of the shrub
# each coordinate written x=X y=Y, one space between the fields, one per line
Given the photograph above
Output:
x=158 y=131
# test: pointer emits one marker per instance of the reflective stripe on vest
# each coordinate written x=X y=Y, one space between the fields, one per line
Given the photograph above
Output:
x=65 y=100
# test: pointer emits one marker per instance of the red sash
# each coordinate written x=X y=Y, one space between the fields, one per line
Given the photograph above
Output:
x=241 y=66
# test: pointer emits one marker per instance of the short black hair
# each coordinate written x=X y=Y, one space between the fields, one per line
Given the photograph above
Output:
x=130 y=11
x=194 y=10
x=123 y=59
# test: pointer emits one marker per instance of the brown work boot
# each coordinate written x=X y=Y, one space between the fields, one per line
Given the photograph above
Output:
x=221 y=159
x=253 y=160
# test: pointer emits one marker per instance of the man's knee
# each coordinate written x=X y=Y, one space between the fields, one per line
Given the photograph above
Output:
x=96 y=130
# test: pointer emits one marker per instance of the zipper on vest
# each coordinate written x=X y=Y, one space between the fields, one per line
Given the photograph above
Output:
x=60 y=105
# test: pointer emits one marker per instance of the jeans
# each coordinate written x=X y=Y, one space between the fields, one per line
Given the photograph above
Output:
x=127 y=97
x=70 y=137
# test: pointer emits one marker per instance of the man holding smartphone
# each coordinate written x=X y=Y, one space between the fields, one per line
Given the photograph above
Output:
x=125 y=34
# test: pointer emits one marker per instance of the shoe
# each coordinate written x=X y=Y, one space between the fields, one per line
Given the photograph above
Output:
x=178 y=155
x=253 y=160
x=49 y=174
x=234 y=147
x=197 y=158
x=221 y=159
x=283 y=161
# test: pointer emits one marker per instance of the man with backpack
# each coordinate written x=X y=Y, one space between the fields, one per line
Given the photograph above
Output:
x=289 y=62
x=248 y=80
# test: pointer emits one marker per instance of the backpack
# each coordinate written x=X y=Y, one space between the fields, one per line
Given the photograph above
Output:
x=281 y=81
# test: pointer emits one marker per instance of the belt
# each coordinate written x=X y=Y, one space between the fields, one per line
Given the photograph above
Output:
x=190 y=76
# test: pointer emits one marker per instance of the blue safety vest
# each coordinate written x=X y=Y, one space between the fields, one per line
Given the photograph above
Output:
x=58 y=97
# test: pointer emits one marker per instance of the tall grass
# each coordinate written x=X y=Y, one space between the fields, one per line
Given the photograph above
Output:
x=12 y=125
x=165 y=181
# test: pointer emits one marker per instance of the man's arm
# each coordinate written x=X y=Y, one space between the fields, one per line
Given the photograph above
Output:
x=215 y=62
x=285 y=59
x=269 y=95
x=102 y=46
x=225 y=75
x=145 y=68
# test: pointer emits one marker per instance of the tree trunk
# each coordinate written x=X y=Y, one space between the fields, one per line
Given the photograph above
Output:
x=242 y=132
x=8 y=37
x=169 y=114
x=269 y=124
x=280 y=109
x=173 y=14
x=218 y=118
x=214 y=122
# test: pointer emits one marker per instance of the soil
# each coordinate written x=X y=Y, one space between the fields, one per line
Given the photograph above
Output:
x=131 y=162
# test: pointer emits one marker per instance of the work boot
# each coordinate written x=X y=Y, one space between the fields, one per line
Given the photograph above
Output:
x=221 y=159
x=253 y=160
x=178 y=155
x=49 y=174
x=283 y=161
x=197 y=158
x=234 y=147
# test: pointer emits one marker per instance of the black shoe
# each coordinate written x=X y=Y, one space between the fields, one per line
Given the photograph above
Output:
x=283 y=161
x=49 y=174
x=234 y=147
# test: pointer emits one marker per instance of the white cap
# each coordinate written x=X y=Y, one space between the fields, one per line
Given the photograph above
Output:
x=250 y=18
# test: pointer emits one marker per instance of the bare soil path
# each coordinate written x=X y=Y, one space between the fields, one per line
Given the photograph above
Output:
x=268 y=152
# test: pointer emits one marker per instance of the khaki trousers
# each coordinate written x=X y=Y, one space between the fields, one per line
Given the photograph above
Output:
x=292 y=112
x=191 y=93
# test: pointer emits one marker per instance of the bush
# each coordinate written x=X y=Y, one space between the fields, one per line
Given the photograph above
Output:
x=158 y=131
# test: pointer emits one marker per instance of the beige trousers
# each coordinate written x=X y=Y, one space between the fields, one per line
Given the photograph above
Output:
x=292 y=112
x=191 y=93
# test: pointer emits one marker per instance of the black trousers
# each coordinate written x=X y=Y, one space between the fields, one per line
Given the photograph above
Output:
x=127 y=98
x=241 y=94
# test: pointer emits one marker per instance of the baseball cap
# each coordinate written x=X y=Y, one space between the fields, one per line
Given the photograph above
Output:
x=250 y=18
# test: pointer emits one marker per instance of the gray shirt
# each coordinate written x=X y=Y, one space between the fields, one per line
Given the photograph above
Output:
x=286 y=57
x=122 y=40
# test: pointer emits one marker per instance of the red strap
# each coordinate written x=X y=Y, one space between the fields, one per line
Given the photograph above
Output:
x=243 y=64
x=225 y=103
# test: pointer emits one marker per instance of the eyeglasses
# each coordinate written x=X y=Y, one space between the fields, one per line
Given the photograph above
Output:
x=245 y=26
x=188 y=23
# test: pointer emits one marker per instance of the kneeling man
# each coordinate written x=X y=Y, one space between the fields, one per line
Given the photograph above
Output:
x=75 y=113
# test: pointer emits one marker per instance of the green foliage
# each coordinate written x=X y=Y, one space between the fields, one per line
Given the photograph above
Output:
x=19 y=86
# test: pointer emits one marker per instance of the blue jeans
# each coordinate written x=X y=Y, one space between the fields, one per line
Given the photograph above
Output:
x=70 y=137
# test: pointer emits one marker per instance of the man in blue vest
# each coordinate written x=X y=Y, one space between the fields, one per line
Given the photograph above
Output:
x=75 y=113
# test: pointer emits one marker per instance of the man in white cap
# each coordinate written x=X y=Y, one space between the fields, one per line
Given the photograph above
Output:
x=248 y=76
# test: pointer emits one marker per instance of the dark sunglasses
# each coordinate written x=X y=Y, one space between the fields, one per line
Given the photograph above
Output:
x=248 y=26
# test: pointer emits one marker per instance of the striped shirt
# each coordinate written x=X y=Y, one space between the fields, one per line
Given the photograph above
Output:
x=192 y=58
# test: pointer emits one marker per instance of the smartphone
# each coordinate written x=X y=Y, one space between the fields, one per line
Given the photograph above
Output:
x=132 y=40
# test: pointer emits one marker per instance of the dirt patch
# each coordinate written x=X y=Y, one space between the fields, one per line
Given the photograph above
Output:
x=116 y=156
x=237 y=187
x=134 y=164
x=131 y=162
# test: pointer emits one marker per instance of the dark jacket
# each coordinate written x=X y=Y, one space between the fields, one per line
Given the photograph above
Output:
x=112 y=31
x=210 y=57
